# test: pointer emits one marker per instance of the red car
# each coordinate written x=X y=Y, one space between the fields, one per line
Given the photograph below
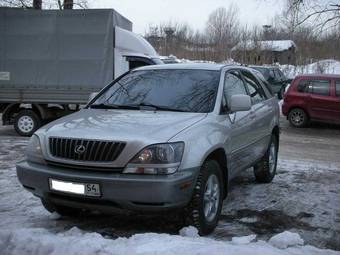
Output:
x=313 y=97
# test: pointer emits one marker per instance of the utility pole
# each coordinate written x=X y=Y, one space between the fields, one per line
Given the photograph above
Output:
x=266 y=31
x=169 y=32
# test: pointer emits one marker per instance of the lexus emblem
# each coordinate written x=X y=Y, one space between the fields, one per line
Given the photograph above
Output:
x=79 y=149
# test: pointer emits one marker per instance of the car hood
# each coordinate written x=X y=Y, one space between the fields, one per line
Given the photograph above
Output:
x=122 y=125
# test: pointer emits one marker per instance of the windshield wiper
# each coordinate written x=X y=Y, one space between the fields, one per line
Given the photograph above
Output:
x=159 y=107
x=113 y=106
x=135 y=107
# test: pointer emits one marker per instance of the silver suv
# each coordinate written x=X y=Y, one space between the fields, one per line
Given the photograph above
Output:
x=158 y=138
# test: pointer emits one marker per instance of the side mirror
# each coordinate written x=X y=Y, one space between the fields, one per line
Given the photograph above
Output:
x=239 y=103
x=92 y=95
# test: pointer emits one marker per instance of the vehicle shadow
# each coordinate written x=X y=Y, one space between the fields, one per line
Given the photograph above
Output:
x=320 y=125
x=124 y=223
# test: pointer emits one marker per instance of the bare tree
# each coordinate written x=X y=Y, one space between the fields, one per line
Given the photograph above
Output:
x=223 y=32
x=37 y=4
x=68 y=4
x=291 y=15
x=323 y=14
x=46 y=4
x=16 y=3
x=222 y=29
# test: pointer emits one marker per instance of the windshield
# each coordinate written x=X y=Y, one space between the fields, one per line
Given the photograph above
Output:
x=157 y=61
x=264 y=71
x=172 y=90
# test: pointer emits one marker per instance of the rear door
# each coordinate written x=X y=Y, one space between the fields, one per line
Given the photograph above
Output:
x=335 y=102
x=320 y=99
x=261 y=115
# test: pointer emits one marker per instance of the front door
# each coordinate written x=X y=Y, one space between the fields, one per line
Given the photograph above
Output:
x=240 y=123
x=261 y=114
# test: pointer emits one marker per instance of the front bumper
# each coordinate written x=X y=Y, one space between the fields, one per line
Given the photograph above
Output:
x=128 y=191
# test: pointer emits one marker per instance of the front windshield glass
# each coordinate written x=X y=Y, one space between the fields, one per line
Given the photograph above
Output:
x=264 y=71
x=177 y=90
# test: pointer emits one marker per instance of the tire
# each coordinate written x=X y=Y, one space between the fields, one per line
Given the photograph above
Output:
x=26 y=122
x=265 y=170
x=209 y=176
x=298 y=118
x=60 y=209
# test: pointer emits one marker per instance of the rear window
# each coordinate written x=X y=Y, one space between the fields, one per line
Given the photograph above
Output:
x=317 y=87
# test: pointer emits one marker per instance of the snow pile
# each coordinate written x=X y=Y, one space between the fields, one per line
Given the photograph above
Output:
x=285 y=240
x=75 y=241
x=189 y=231
x=54 y=216
x=243 y=239
x=327 y=66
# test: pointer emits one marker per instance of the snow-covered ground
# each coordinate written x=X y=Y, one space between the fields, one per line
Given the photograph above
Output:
x=327 y=66
x=36 y=241
x=304 y=198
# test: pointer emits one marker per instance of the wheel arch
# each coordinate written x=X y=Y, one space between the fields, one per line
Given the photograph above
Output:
x=276 y=131
x=40 y=110
x=8 y=113
x=219 y=155
x=11 y=109
x=298 y=107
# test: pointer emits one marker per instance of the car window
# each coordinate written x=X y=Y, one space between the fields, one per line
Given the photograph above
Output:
x=178 y=89
x=337 y=88
x=233 y=85
x=281 y=74
x=277 y=75
x=319 y=87
x=264 y=71
x=271 y=74
x=254 y=88
x=302 y=86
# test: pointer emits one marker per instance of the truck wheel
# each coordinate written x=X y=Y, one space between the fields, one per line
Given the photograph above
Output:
x=298 y=118
x=204 y=210
x=61 y=210
x=26 y=122
x=265 y=170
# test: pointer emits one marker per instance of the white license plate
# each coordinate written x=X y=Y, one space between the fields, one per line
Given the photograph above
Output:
x=86 y=189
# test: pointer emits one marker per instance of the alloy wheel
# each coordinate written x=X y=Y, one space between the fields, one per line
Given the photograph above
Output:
x=211 y=197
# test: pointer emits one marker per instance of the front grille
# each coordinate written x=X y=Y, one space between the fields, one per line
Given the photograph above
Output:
x=85 y=150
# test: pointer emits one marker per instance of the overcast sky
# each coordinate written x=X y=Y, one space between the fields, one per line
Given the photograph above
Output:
x=195 y=12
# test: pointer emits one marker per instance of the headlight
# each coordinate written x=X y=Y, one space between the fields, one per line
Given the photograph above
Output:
x=157 y=159
x=33 y=150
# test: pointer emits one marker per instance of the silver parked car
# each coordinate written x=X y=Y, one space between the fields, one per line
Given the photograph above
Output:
x=158 y=138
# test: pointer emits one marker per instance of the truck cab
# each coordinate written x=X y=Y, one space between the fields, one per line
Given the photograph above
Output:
x=131 y=51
